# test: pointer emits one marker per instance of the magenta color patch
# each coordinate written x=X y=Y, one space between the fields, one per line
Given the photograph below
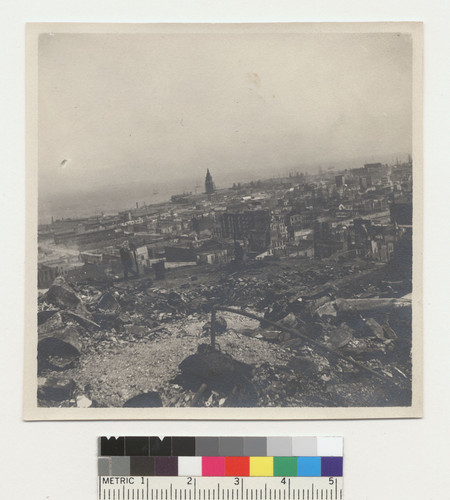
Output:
x=213 y=466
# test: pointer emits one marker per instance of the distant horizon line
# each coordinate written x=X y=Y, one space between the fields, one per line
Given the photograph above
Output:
x=167 y=196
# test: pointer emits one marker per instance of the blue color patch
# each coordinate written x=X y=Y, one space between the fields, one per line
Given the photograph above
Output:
x=308 y=467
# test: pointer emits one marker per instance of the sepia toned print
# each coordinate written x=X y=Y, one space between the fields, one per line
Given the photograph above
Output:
x=224 y=221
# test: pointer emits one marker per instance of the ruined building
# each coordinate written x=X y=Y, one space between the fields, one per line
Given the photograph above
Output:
x=253 y=225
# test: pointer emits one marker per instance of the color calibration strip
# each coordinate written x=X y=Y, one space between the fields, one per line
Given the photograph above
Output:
x=221 y=456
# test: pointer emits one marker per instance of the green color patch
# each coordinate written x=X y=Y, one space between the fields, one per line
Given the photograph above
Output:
x=284 y=466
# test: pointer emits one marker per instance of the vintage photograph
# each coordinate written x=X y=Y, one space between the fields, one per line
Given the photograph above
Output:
x=224 y=221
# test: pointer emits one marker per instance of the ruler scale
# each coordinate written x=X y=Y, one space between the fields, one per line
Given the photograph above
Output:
x=252 y=488
x=220 y=468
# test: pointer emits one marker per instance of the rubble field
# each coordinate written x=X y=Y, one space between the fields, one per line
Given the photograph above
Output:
x=328 y=334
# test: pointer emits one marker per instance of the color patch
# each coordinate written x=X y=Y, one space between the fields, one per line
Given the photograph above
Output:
x=160 y=448
x=111 y=447
x=232 y=456
x=332 y=466
x=213 y=466
x=255 y=447
x=183 y=446
x=231 y=446
x=279 y=447
x=285 y=466
x=166 y=466
x=304 y=447
x=120 y=466
x=330 y=446
x=207 y=446
x=137 y=446
x=308 y=467
x=190 y=466
x=142 y=466
x=103 y=466
x=237 y=466
x=261 y=466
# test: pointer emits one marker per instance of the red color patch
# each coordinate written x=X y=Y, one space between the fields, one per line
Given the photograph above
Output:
x=237 y=466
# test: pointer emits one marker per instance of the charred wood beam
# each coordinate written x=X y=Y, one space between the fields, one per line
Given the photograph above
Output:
x=213 y=328
x=296 y=333
x=198 y=394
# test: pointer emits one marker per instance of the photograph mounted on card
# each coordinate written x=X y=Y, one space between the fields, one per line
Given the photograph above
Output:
x=223 y=221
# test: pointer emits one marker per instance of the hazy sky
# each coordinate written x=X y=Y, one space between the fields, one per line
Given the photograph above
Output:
x=132 y=111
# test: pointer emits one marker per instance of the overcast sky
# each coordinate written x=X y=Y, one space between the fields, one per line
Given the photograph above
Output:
x=144 y=109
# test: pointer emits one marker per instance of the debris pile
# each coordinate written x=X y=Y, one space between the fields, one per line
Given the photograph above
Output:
x=328 y=334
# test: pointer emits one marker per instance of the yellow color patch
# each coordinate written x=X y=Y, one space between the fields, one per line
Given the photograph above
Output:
x=261 y=466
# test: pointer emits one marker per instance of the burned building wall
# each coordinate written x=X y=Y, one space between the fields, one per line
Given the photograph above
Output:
x=239 y=224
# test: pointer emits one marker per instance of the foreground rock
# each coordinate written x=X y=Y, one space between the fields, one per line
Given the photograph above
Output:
x=55 y=388
x=147 y=400
x=83 y=401
x=62 y=295
x=212 y=369
x=58 y=348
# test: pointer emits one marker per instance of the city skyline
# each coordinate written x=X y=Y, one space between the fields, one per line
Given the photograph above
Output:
x=129 y=113
x=157 y=194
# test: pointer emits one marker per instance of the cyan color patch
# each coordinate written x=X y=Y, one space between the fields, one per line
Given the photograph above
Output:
x=308 y=466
